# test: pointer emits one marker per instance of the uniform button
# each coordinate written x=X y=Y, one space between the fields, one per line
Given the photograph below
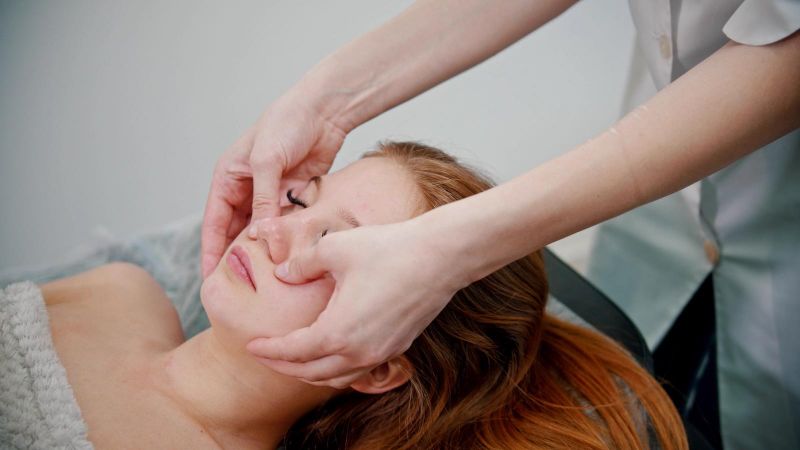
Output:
x=665 y=46
x=712 y=252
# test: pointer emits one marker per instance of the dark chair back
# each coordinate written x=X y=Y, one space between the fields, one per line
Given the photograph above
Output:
x=585 y=300
x=591 y=305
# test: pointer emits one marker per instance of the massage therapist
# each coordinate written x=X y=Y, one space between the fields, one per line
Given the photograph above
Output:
x=726 y=117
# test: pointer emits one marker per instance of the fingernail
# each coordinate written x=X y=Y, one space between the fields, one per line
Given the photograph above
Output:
x=252 y=232
x=282 y=271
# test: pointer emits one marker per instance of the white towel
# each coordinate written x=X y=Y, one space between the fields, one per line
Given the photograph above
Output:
x=37 y=406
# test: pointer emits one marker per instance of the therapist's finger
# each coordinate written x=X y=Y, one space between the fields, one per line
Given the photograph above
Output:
x=239 y=221
x=307 y=265
x=301 y=345
x=268 y=166
x=340 y=382
x=214 y=233
x=331 y=370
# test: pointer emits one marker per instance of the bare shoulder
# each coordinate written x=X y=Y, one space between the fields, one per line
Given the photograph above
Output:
x=119 y=295
x=121 y=276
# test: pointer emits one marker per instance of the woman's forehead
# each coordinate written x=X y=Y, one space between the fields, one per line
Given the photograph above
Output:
x=376 y=190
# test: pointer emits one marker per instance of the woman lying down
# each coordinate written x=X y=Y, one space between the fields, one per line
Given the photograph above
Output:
x=493 y=371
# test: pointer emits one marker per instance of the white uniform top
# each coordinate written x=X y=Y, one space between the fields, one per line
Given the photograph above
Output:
x=742 y=223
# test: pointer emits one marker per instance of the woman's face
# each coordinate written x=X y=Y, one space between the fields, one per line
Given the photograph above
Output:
x=371 y=191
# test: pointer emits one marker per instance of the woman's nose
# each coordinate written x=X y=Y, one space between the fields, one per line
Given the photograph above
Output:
x=286 y=235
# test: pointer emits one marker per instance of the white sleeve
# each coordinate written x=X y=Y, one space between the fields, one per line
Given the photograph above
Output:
x=762 y=22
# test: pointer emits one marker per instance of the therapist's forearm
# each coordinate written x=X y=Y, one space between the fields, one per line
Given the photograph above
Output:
x=429 y=42
x=736 y=101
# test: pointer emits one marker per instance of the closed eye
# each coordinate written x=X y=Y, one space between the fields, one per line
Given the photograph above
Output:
x=294 y=200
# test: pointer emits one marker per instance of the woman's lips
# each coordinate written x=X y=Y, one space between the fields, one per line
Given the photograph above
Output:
x=239 y=262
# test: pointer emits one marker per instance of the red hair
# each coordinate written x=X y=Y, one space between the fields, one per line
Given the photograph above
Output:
x=493 y=370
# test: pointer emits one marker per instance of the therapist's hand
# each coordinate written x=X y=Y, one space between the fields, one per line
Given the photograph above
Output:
x=391 y=282
x=289 y=144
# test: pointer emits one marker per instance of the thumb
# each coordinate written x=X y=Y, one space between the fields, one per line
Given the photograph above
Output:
x=267 y=172
x=302 y=268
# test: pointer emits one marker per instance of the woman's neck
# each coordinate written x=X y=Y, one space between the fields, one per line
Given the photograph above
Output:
x=239 y=402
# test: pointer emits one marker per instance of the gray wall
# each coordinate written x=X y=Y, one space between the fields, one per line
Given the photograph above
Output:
x=113 y=113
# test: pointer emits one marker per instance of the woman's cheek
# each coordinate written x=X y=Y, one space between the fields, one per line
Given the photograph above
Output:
x=299 y=306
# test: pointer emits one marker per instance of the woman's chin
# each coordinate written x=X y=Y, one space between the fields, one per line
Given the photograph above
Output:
x=224 y=313
x=215 y=296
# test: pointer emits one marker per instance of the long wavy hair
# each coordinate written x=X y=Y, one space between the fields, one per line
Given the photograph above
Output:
x=493 y=370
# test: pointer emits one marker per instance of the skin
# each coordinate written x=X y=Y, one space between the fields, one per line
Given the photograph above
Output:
x=737 y=100
x=139 y=384
x=299 y=135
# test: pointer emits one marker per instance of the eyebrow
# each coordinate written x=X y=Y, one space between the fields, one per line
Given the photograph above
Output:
x=343 y=214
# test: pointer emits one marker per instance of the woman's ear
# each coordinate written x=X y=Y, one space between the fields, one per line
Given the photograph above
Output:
x=385 y=377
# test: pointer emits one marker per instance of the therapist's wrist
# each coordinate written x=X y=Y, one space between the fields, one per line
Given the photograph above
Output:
x=448 y=248
x=474 y=237
x=343 y=103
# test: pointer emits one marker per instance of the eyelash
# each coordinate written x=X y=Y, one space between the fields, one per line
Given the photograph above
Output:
x=296 y=201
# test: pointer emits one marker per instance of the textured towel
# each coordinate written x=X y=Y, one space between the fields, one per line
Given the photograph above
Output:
x=37 y=407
